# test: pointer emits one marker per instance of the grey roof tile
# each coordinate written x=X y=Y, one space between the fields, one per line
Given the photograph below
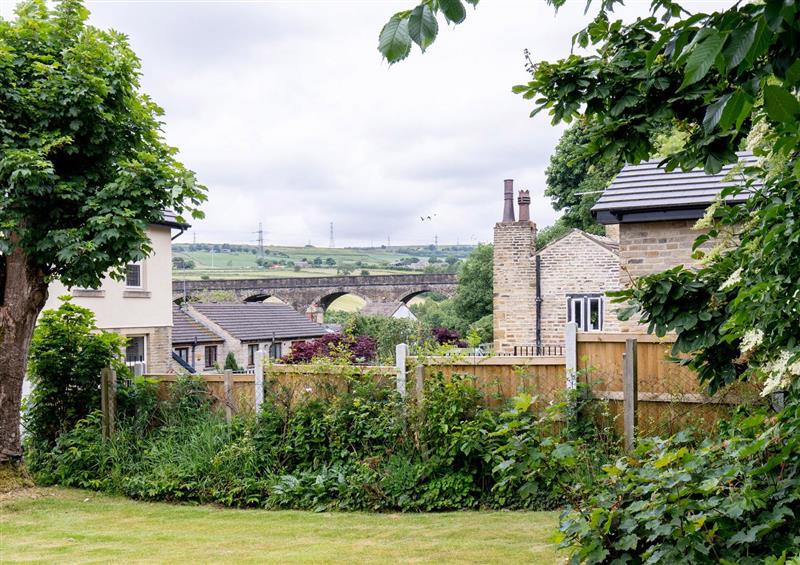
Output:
x=185 y=329
x=380 y=308
x=646 y=186
x=257 y=321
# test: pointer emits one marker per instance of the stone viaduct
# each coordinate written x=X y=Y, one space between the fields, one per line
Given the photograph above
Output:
x=315 y=294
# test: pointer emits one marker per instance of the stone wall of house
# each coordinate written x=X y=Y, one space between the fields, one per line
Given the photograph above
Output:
x=651 y=247
x=159 y=353
x=575 y=265
x=514 y=314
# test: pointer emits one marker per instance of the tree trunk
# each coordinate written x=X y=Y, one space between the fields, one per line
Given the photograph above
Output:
x=21 y=299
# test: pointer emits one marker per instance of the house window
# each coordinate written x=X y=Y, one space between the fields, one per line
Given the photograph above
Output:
x=586 y=310
x=251 y=354
x=275 y=350
x=133 y=275
x=135 y=349
x=211 y=356
x=183 y=353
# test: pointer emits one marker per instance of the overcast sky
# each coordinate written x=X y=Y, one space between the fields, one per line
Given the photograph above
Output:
x=286 y=111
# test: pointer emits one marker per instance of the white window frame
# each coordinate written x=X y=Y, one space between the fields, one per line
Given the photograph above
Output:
x=141 y=275
x=585 y=302
x=144 y=349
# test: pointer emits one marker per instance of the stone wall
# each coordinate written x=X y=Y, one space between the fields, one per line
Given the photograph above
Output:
x=514 y=290
x=575 y=264
x=652 y=247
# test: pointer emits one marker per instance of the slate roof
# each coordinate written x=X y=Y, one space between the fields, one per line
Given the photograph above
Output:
x=647 y=188
x=185 y=329
x=257 y=321
x=380 y=308
x=601 y=240
x=170 y=219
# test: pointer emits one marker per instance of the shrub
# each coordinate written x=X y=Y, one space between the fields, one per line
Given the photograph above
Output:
x=230 y=362
x=342 y=348
x=733 y=499
x=67 y=355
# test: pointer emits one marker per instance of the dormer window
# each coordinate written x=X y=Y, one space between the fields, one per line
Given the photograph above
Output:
x=133 y=275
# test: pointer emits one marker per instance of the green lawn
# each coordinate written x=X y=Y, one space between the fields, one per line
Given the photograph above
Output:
x=74 y=526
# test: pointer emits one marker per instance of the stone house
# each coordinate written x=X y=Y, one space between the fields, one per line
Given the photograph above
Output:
x=537 y=291
x=138 y=307
x=204 y=334
x=388 y=309
x=655 y=212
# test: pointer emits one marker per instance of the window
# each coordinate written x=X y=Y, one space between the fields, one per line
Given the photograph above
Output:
x=183 y=353
x=251 y=354
x=135 y=349
x=275 y=350
x=211 y=356
x=133 y=275
x=586 y=310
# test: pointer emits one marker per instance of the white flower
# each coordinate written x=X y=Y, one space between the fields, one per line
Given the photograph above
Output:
x=751 y=340
x=780 y=372
x=734 y=279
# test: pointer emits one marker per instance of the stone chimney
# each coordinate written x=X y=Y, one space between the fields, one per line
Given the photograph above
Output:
x=514 y=292
x=508 y=201
x=524 y=202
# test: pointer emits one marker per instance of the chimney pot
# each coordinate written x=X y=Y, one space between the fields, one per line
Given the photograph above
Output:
x=524 y=201
x=508 y=200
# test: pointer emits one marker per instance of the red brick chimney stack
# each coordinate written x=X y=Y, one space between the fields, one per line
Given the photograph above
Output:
x=524 y=201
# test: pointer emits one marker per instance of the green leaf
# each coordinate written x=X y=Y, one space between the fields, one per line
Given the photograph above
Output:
x=739 y=45
x=714 y=113
x=702 y=59
x=736 y=110
x=422 y=26
x=453 y=10
x=793 y=73
x=781 y=105
x=394 y=42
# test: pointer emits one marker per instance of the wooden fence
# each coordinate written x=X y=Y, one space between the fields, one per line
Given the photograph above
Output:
x=668 y=395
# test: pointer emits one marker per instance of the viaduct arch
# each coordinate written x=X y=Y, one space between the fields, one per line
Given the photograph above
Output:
x=317 y=293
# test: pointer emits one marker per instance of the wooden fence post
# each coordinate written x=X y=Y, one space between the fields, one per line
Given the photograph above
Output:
x=259 y=380
x=228 y=390
x=419 y=378
x=108 y=400
x=630 y=392
x=400 y=355
x=571 y=354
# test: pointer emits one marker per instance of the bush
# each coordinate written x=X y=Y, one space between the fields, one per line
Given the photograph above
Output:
x=66 y=356
x=230 y=362
x=387 y=333
x=732 y=499
x=342 y=348
x=362 y=449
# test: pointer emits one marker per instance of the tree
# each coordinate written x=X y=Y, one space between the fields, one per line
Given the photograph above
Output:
x=83 y=169
x=67 y=354
x=473 y=298
x=230 y=362
x=723 y=80
x=575 y=179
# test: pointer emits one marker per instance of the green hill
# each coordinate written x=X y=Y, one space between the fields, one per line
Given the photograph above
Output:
x=201 y=260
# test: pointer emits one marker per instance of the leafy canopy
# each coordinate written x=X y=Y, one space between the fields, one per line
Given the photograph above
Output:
x=83 y=163
x=723 y=80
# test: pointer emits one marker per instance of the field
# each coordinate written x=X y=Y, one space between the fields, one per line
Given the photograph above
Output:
x=74 y=526
x=241 y=261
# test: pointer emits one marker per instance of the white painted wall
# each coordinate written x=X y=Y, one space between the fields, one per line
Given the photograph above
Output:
x=404 y=312
x=117 y=306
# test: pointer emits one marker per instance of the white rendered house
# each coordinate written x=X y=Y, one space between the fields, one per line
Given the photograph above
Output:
x=139 y=307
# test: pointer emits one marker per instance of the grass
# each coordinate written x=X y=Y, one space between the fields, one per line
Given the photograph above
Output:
x=74 y=526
